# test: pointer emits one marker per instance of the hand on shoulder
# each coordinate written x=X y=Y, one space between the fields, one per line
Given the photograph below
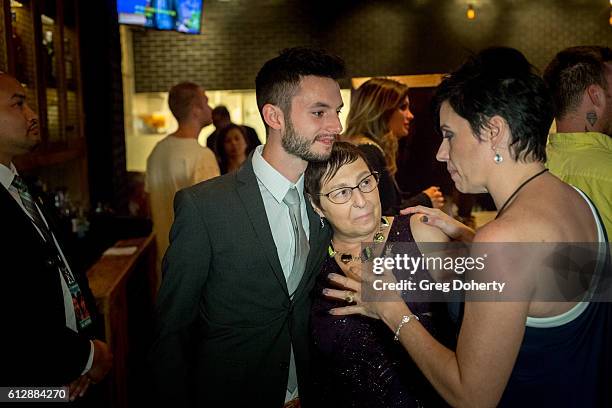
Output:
x=423 y=232
x=438 y=220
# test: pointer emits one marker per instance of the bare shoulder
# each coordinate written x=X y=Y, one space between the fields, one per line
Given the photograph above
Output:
x=425 y=233
x=502 y=230
x=555 y=212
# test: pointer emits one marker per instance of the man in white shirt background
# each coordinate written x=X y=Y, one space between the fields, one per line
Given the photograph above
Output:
x=178 y=161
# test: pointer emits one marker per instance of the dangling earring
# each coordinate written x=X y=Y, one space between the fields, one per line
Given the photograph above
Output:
x=497 y=158
x=322 y=223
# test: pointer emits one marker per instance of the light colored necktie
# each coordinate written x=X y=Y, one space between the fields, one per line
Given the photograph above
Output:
x=292 y=200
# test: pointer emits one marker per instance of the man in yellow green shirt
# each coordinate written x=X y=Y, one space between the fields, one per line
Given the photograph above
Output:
x=580 y=153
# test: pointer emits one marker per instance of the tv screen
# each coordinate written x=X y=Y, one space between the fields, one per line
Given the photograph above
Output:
x=178 y=15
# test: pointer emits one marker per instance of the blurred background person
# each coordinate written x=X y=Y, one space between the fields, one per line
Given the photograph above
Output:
x=580 y=153
x=221 y=119
x=379 y=116
x=233 y=148
x=178 y=160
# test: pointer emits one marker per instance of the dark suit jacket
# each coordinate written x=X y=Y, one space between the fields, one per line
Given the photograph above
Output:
x=36 y=347
x=225 y=321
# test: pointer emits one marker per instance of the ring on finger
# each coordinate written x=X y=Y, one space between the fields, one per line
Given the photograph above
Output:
x=350 y=297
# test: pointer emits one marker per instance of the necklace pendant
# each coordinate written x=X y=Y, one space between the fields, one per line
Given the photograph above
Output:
x=379 y=237
x=366 y=254
x=346 y=258
x=384 y=223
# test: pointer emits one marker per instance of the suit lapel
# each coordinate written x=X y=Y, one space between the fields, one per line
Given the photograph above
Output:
x=13 y=207
x=248 y=190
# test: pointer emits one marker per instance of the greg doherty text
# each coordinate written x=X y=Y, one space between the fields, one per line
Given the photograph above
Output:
x=426 y=285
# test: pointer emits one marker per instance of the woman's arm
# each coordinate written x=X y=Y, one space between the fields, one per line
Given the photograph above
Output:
x=425 y=232
x=477 y=373
x=447 y=224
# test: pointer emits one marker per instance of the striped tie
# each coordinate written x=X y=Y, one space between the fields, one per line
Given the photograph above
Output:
x=82 y=316
x=28 y=202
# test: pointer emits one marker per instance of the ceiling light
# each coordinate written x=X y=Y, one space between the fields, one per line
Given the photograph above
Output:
x=471 y=13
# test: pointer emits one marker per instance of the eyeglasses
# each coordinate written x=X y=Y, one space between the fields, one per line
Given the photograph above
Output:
x=343 y=194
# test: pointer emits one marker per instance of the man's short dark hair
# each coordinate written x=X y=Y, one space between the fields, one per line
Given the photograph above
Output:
x=279 y=78
x=500 y=81
x=318 y=173
x=221 y=112
x=572 y=71
x=181 y=97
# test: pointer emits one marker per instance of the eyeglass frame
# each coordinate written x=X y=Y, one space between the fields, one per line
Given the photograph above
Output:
x=376 y=178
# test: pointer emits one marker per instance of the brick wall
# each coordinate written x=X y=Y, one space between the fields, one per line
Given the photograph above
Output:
x=383 y=37
x=236 y=39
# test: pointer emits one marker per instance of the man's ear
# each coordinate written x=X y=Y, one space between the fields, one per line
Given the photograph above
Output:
x=273 y=116
x=596 y=95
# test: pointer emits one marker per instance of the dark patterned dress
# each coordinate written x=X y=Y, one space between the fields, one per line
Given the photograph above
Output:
x=356 y=362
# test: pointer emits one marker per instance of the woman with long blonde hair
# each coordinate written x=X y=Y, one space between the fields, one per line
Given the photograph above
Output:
x=379 y=116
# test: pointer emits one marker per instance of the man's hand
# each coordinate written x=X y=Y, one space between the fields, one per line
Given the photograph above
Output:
x=436 y=197
x=102 y=362
x=78 y=387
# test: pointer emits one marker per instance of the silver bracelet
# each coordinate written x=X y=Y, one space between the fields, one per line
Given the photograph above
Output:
x=405 y=319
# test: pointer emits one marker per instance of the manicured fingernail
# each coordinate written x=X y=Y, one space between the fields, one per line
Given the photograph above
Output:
x=325 y=291
x=332 y=311
x=330 y=276
x=424 y=218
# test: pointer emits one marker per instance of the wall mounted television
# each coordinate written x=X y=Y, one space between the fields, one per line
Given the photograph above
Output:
x=178 y=15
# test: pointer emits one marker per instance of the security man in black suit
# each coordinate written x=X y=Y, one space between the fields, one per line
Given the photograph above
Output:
x=47 y=322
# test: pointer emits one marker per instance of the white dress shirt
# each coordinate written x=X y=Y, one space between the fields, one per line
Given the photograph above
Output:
x=274 y=187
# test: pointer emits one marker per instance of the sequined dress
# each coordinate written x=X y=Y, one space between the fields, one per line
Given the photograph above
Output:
x=356 y=362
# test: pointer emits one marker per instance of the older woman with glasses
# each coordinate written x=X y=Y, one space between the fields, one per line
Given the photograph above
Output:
x=356 y=363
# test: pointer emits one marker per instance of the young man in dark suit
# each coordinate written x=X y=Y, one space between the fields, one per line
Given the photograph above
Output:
x=47 y=337
x=234 y=304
